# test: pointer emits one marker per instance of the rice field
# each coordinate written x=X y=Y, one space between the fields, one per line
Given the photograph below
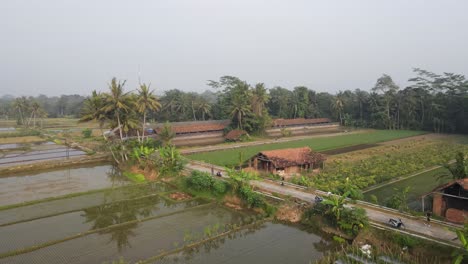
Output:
x=232 y=157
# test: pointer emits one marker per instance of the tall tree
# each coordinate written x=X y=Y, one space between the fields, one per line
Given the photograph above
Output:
x=388 y=88
x=146 y=101
x=259 y=99
x=93 y=109
x=117 y=102
x=338 y=105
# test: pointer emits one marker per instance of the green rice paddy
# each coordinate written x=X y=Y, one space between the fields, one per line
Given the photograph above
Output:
x=232 y=157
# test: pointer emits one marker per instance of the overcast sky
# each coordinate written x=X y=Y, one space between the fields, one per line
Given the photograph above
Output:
x=58 y=47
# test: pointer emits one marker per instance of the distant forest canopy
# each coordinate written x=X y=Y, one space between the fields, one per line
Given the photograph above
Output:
x=433 y=102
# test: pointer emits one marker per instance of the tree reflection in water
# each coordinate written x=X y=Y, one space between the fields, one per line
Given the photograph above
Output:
x=116 y=176
x=205 y=248
x=122 y=214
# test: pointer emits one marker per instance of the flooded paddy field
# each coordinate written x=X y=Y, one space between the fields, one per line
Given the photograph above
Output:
x=273 y=243
x=14 y=154
x=133 y=240
x=58 y=227
x=136 y=222
x=21 y=188
x=79 y=202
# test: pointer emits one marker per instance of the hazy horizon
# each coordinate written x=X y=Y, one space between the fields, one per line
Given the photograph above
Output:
x=55 y=47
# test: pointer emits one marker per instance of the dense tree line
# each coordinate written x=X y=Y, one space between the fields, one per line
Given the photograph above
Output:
x=433 y=102
x=54 y=106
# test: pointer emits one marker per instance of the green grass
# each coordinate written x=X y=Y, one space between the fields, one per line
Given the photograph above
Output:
x=419 y=185
x=230 y=157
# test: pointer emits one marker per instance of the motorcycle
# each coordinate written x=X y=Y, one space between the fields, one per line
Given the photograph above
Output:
x=318 y=199
x=397 y=223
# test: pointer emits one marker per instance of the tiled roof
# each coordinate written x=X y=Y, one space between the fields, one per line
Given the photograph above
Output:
x=184 y=129
x=235 y=134
x=299 y=121
x=462 y=182
x=292 y=156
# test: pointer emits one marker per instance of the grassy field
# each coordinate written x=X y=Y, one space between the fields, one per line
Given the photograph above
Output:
x=231 y=157
x=419 y=185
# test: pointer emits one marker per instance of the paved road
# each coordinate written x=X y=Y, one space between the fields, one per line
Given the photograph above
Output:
x=378 y=216
x=435 y=231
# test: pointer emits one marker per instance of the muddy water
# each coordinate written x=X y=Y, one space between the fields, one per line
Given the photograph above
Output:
x=24 y=188
x=270 y=243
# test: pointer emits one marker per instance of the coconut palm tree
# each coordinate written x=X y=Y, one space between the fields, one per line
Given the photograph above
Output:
x=146 y=100
x=361 y=97
x=117 y=102
x=21 y=104
x=239 y=108
x=204 y=107
x=338 y=105
x=93 y=110
x=259 y=98
x=34 y=112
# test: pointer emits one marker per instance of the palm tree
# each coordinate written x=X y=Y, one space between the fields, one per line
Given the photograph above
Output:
x=239 y=108
x=34 y=112
x=117 y=102
x=93 y=110
x=361 y=97
x=259 y=98
x=204 y=107
x=338 y=105
x=146 y=100
x=21 y=104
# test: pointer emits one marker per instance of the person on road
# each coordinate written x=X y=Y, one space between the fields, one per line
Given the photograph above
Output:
x=428 y=217
x=282 y=181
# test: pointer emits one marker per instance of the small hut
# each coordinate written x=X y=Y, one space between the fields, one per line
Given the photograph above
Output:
x=287 y=162
x=451 y=201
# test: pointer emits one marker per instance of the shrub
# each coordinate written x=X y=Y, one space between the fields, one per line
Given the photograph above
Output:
x=200 y=181
x=252 y=198
x=218 y=186
x=353 y=220
x=302 y=180
x=405 y=240
x=87 y=132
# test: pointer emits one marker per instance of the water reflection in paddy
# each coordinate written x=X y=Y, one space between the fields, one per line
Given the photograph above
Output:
x=28 y=187
x=269 y=243
x=133 y=241
x=57 y=227
x=77 y=203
